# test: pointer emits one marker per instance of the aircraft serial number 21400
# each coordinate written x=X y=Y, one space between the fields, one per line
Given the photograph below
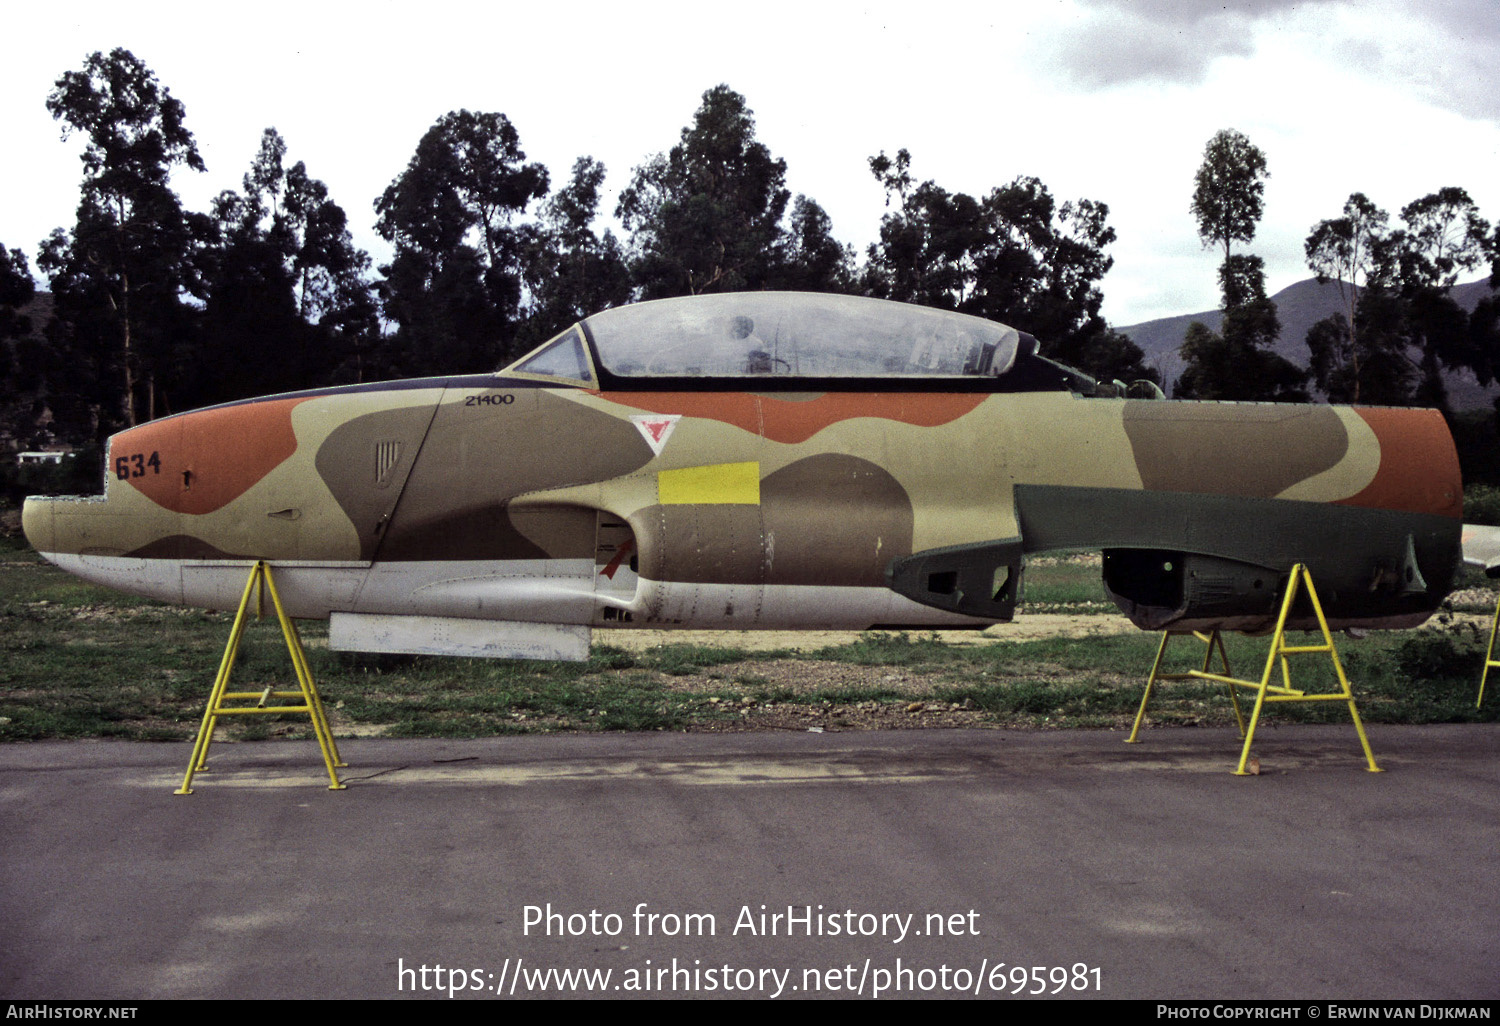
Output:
x=762 y=460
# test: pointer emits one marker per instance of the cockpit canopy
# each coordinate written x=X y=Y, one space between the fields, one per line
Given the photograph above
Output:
x=800 y=334
x=780 y=334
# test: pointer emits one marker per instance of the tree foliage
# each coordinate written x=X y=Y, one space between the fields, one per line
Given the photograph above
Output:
x=18 y=417
x=708 y=215
x=159 y=309
x=283 y=287
x=1229 y=190
x=118 y=277
x=1401 y=328
x=454 y=286
x=16 y=291
x=1014 y=255
x=815 y=260
x=570 y=270
x=1239 y=362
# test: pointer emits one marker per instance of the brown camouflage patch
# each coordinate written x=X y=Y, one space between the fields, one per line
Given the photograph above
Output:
x=699 y=544
x=827 y=520
x=1232 y=449
x=364 y=463
x=184 y=546
x=477 y=458
x=834 y=520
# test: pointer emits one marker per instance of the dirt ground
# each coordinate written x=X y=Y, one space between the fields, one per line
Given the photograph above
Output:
x=744 y=712
x=739 y=683
x=1027 y=627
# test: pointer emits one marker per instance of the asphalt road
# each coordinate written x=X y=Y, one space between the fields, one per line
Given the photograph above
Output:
x=912 y=862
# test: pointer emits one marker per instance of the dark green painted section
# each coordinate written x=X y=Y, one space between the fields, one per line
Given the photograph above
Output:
x=981 y=580
x=1357 y=556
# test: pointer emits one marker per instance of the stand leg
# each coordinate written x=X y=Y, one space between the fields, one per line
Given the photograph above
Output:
x=259 y=583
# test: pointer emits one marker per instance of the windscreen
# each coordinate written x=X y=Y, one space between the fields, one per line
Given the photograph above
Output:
x=563 y=357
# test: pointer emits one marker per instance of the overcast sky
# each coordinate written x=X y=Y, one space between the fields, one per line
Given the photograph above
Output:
x=1111 y=100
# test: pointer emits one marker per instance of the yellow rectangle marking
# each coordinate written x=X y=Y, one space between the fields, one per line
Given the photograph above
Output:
x=718 y=483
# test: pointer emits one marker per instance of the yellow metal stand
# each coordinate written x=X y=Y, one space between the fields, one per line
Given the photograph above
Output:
x=259 y=583
x=1489 y=656
x=1268 y=692
x=1212 y=642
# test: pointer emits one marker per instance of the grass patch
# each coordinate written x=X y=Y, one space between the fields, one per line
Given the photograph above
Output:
x=80 y=661
x=890 y=648
x=1065 y=583
x=1481 y=504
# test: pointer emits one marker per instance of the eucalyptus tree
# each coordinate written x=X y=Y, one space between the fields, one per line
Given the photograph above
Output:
x=118 y=277
x=1239 y=362
x=1229 y=190
x=705 y=216
x=1014 y=255
x=1443 y=237
x=454 y=287
x=283 y=286
x=295 y=212
x=815 y=261
x=1400 y=327
x=711 y=214
x=570 y=269
x=16 y=291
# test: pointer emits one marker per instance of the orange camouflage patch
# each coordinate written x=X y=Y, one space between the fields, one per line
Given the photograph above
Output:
x=1419 y=470
x=791 y=421
x=200 y=462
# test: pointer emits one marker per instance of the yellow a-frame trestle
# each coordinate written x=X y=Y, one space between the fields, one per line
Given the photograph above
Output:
x=259 y=583
x=1212 y=642
x=1489 y=656
x=1264 y=689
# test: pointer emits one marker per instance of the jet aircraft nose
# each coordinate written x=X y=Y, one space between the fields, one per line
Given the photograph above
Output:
x=36 y=524
x=198 y=463
x=170 y=493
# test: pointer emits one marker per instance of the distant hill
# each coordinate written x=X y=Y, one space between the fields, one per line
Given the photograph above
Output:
x=1299 y=306
x=39 y=311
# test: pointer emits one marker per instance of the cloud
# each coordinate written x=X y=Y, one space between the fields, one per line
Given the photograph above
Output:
x=1471 y=20
x=1169 y=41
x=1442 y=51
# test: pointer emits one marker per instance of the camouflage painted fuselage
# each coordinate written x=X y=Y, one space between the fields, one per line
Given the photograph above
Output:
x=510 y=498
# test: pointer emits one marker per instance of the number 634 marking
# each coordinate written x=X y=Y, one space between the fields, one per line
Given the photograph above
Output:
x=136 y=463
